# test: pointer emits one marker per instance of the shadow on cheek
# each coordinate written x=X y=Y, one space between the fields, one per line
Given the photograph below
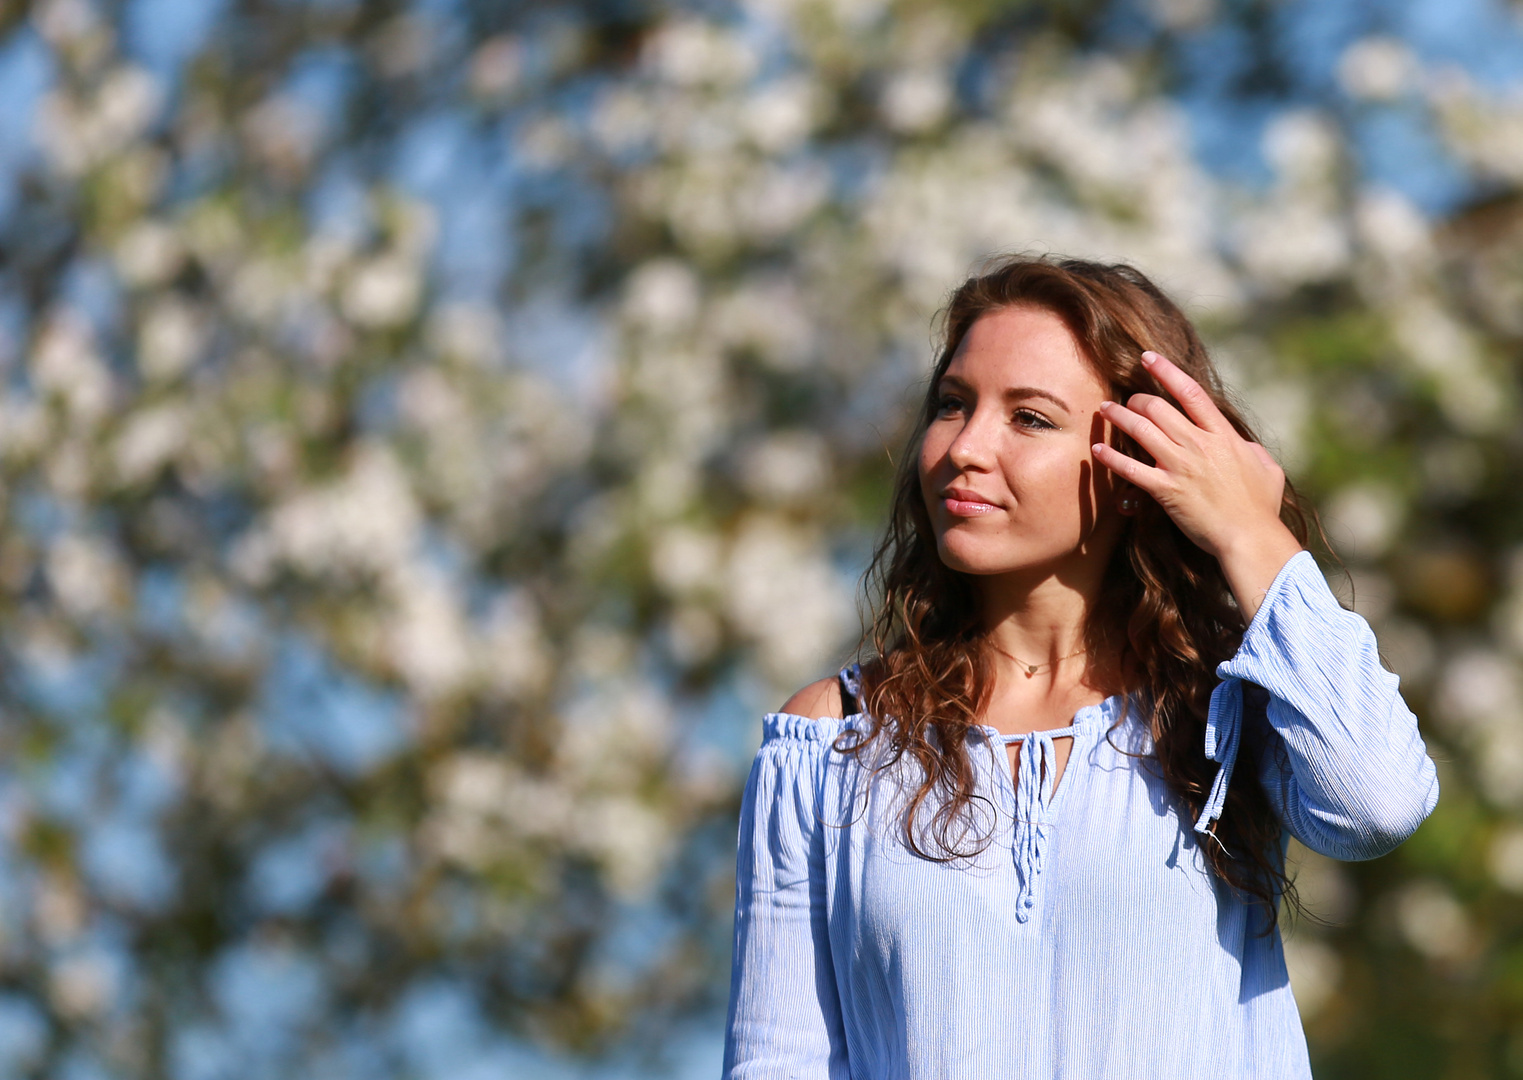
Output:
x=1086 y=498
x=1090 y=482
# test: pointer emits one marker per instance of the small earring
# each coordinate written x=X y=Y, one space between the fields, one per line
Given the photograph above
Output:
x=1128 y=504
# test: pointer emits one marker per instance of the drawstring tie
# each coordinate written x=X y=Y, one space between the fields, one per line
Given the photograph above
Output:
x=1224 y=726
x=1034 y=788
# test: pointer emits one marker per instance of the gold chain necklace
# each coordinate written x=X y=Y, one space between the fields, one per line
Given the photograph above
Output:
x=1032 y=669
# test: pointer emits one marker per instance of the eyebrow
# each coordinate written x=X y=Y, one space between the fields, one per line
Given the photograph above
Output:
x=1015 y=393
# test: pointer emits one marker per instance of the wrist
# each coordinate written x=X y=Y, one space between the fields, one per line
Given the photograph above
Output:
x=1273 y=540
x=1252 y=563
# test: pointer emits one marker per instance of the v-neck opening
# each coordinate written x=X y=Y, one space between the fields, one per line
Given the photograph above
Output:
x=1084 y=718
x=1060 y=784
x=1012 y=778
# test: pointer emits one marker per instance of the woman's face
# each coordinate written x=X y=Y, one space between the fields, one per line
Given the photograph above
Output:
x=1006 y=469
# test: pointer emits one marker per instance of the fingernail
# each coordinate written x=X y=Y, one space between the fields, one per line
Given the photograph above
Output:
x=1096 y=447
x=1148 y=358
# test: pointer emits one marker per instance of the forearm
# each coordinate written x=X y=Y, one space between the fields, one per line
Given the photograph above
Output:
x=1355 y=778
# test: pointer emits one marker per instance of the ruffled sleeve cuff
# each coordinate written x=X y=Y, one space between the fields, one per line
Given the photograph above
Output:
x=1299 y=581
x=1356 y=778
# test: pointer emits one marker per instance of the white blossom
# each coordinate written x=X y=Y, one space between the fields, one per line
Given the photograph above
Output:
x=691 y=52
x=428 y=634
x=1377 y=68
x=84 y=982
x=384 y=292
x=149 y=439
x=1432 y=921
x=497 y=66
x=1315 y=970
x=1364 y=518
x=80 y=135
x=788 y=465
x=149 y=253
x=662 y=296
x=915 y=99
x=65 y=361
x=368 y=520
x=685 y=558
x=1506 y=857
x=512 y=654
x=86 y=575
x=780 y=115
x=784 y=595
x=172 y=335
x=469 y=332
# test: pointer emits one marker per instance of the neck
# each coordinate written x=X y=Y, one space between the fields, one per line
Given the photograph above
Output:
x=1039 y=620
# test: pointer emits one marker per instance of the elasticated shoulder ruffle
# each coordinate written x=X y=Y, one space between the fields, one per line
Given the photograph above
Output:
x=791 y=726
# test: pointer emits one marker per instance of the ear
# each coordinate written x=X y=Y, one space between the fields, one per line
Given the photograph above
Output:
x=1128 y=498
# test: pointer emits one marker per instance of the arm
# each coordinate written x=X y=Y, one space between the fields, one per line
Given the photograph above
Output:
x=784 y=1015
x=1354 y=778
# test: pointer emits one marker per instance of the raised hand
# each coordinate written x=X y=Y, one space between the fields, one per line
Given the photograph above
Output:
x=1222 y=490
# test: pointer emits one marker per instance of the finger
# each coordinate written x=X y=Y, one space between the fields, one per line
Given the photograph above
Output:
x=1147 y=434
x=1162 y=412
x=1145 y=477
x=1197 y=403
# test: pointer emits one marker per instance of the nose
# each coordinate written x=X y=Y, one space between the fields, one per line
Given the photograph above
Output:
x=973 y=445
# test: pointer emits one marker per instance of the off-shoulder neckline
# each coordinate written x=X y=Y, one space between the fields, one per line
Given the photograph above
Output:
x=784 y=725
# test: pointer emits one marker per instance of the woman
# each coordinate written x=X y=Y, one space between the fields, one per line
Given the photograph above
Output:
x=1042 y=834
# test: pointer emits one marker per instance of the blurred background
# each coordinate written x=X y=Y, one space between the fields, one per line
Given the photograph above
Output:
x=433 y=433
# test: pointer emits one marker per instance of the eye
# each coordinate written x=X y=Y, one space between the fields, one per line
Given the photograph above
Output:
x=1027 y=418
x=947 y=401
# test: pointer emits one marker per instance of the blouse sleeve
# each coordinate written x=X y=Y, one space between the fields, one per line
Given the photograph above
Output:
x=1355 y=779
x=784 y=1013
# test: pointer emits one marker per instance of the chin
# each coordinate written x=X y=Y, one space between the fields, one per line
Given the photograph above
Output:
x=978 y=555
x=970 y=558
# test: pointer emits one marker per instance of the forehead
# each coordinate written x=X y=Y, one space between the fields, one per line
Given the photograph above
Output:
x=1026 y=345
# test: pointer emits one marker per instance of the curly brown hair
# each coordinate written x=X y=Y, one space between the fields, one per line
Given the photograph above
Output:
x=1169 y=616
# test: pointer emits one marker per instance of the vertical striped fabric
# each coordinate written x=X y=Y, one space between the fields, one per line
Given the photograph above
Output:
x=1086 y=939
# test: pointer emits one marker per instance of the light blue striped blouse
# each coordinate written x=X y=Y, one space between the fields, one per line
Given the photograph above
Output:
x=1087 y=940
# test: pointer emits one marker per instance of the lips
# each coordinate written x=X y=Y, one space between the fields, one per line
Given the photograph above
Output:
x=965 y=495
x=961 y=502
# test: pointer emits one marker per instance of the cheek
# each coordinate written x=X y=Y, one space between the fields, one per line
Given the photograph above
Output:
x=1054 y=471
x=930 y=455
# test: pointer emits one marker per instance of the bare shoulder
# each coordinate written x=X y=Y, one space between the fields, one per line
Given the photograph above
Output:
x=820 y=698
